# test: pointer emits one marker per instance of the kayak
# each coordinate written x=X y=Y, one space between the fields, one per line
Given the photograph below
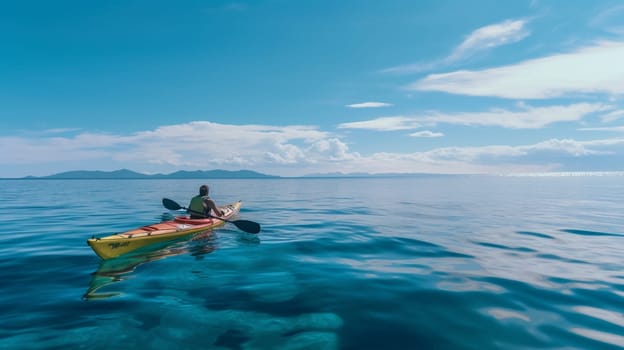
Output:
x=112 y=246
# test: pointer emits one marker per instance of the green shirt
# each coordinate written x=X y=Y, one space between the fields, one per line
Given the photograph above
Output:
x=197 y=204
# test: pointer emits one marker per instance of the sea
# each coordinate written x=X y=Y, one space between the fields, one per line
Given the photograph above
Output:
x=423 y=262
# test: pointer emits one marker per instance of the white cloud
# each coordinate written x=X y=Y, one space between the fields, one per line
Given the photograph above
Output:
x=592 y=69
x=195 y=145
x=210 y=144
x=369 y=105
x=612 y=116
x=507 y=32
x=426 y=133
x=287 y=150
x=494 y=158
x=526 y=117
x=60 y=130
x=559 y=146
x=414 y=67
x=426 y=162
x=383 y=124
x=608 y=128
x=567 y=146
x=484 y=38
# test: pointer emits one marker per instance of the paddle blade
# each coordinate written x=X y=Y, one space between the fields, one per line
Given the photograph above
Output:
x=247 y=226
x=171 y=205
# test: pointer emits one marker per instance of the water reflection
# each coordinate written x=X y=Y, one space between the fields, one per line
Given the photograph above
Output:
x=121 y=268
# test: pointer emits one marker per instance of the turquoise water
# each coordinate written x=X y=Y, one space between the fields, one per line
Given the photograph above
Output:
x=432 y=262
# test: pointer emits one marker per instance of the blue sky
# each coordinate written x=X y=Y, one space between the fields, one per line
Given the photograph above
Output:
x=298 y=87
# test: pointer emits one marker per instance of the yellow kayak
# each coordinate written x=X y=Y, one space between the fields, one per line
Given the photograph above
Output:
x=121 y=243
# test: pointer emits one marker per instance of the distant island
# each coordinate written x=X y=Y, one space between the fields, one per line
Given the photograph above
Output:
x=375 y=175
x=125 y=174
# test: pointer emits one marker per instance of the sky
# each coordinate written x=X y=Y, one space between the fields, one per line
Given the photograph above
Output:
x=291 y=88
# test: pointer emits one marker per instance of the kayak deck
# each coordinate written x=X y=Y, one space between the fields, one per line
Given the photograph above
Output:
x=121 y=243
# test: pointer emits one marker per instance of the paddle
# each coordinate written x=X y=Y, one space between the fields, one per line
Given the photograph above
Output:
x=245 y=225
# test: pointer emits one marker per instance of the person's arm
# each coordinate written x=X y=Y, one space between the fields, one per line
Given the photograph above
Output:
x=212 y=205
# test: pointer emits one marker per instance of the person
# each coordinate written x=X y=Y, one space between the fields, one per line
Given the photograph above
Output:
x=203 y=204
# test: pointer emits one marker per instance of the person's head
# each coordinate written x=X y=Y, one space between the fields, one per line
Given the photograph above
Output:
x=203 y=190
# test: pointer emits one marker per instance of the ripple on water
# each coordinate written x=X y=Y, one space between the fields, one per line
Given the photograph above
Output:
x=421 y=263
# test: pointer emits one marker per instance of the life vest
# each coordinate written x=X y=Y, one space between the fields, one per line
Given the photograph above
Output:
x=197 y=204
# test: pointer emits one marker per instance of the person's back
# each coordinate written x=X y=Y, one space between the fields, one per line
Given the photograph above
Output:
x=196 y=206
x=200 y=205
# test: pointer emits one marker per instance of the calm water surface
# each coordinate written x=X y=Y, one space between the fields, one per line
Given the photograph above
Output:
x=439 y=262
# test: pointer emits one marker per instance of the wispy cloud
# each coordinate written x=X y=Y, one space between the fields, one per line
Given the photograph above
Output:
x=591 y=69
x=426 y=133
x=544 y=156
x=504 y=155
x=610 y=20
x=60 y=130
x=369 y=105
x=613 y=116
x=414 y=67
x=482 y=39
x=488 y=37
x=525 y=117
x=607 y=128
x=384 y=124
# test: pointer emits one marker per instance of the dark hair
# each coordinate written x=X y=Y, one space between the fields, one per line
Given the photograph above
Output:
x=203 y=190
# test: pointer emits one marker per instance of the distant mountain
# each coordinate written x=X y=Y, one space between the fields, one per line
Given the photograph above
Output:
x=217 y=174
x=86 y=174
x=334 y=175
x=126 y=174
x=129 y=174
